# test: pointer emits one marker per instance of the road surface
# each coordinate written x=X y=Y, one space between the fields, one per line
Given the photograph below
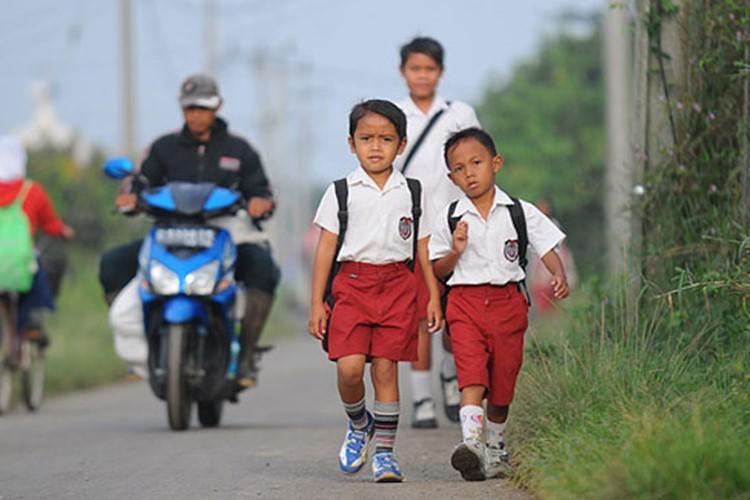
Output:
x=280 y=441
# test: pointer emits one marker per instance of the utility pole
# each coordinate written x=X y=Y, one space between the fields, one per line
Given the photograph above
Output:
x=127 y=80
x=619 y=175
x=209 y=37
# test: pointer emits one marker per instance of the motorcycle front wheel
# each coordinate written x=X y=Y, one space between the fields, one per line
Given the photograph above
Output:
x=178 y=394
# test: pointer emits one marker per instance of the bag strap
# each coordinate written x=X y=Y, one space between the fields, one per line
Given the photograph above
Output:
x=452 y=223
x=415 y=188
x=22 y=193
x=342 y=194
x=518 y=219
x=423 y=136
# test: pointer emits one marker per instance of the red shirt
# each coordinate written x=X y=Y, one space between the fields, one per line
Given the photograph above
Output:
x=37 y=206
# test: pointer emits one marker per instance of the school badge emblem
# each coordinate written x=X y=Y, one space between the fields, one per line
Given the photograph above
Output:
x=511 y=250
x=404 y=228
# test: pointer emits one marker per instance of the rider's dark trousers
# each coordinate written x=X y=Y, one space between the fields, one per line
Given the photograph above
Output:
x=255 y=267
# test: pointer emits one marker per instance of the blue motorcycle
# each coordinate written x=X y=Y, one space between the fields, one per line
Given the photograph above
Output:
x=191 y=302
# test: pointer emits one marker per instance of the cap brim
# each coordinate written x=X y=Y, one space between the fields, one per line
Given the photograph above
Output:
x=211 y=102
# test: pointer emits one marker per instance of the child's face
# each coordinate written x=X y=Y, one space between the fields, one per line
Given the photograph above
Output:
x=473 y=168
x=376 y=143
x=422 y=74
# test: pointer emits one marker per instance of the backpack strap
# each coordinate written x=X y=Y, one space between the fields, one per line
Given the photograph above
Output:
x=518 y=219
x=415 y=188
x=423 y=136
x=23 y=192
x=452 y=223
x=342 y=195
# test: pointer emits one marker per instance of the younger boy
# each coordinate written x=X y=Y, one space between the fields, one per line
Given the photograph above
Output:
x=374 y=291
x=487 y=313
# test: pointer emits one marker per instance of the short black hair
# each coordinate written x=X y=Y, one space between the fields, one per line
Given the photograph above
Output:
x=380 y=107
x=423 y=45
x=469 y=133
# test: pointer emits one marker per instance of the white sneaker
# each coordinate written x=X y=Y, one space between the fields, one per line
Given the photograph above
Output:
x=423 y=416
x=451 y=397
x=468 y=459
x=497 y=462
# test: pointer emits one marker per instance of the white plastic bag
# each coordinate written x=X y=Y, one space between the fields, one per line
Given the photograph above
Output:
x=126 y=320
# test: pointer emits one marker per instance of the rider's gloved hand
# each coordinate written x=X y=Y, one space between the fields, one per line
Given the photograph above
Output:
x=259 y=207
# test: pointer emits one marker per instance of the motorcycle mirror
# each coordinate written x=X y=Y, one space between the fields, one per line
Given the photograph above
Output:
x=119 y=168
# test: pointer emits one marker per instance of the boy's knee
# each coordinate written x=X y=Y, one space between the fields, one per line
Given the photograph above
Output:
x=350 y=373
x=384 y=372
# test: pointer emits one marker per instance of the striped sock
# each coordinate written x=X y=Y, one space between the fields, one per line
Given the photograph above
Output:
x=357 y=413
x=386 y=424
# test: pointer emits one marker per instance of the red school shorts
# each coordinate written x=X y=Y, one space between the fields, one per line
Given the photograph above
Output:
x=487 y=325
x=374 y=312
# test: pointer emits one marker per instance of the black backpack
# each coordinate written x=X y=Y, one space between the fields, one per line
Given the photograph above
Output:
x=342 y=196
x=519 y=224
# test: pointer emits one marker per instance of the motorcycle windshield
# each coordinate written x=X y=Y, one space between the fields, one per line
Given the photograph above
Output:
x=187 y=198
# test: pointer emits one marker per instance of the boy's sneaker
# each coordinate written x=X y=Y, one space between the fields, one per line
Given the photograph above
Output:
x=385 y=468
x=353 y=453
x=497 y=462
x=423 y=416
x=468 y=458
x=451 y=397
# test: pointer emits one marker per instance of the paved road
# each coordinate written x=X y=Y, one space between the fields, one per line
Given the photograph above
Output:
x=279 y=442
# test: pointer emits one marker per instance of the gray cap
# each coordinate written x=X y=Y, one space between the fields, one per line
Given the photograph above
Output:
x=200 y=90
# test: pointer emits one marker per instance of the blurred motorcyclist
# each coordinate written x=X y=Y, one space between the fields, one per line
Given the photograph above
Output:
x=205 y=151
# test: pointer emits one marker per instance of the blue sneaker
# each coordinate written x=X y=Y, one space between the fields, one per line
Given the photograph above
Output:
x=385 y=468
x=353 y=453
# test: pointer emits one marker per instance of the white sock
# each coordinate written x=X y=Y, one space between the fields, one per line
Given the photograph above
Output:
x=421 y=385
x=472 y=418
x=448 y=368
x=496 y=434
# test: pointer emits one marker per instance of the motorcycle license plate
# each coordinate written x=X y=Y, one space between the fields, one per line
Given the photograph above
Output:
x=192 y=237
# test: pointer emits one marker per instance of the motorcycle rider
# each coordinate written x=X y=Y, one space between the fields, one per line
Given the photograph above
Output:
x=205 y=151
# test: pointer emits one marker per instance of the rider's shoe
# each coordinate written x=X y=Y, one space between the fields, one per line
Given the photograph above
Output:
x=38 y=335
x=353 y=452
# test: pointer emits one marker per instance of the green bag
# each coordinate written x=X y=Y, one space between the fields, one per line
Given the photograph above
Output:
x=17 y=259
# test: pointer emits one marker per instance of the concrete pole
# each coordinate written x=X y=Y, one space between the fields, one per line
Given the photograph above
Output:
x=619 y=175
x=127 y=81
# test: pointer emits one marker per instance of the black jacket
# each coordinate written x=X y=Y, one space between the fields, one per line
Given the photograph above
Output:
x=226 y=160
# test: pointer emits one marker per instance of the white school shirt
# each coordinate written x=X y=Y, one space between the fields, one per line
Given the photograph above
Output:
x=491 y=255
x=428 y=165
x=380 y=227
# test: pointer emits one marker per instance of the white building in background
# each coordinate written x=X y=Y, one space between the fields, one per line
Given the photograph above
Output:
x=45 y=130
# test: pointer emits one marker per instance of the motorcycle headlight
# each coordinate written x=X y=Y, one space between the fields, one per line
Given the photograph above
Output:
x=163 y=280
x=203 y=280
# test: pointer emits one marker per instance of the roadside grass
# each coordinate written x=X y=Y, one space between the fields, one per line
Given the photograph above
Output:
x=82 y=351
x=612 y=408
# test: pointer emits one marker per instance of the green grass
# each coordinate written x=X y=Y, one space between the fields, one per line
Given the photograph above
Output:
x=610 y=409
x=82 y=351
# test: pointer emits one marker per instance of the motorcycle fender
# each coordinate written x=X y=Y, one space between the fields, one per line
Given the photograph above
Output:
x=182 y=309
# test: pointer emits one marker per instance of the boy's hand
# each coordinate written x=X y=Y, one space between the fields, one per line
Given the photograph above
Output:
x=316 y=325
x=434 y=315
x=460 y=237
x=560 y=287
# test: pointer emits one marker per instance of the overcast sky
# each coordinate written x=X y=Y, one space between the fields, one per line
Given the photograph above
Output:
x=350 y=50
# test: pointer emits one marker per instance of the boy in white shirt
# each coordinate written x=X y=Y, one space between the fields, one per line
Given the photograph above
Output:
x=430 y=120
x=475 y=246
x=374 y=291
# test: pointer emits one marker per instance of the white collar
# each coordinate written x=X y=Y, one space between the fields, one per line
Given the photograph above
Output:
x=359 y=176
x=465 y=204
x=438 y=103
